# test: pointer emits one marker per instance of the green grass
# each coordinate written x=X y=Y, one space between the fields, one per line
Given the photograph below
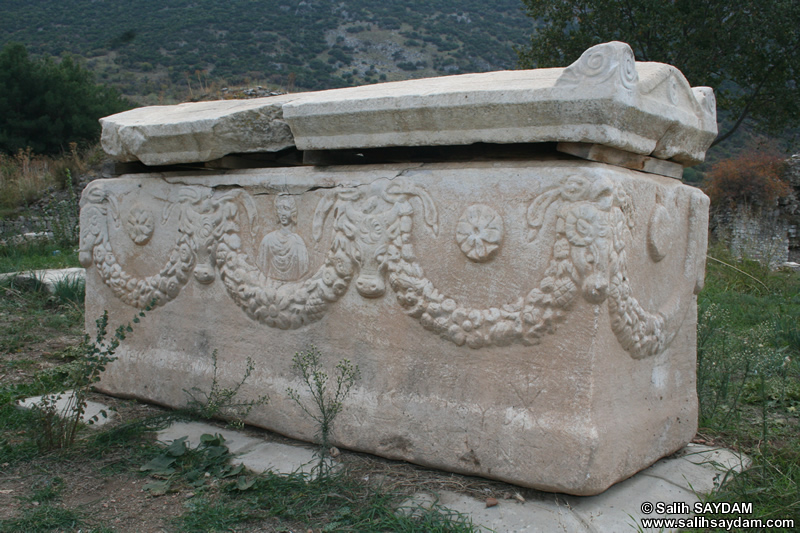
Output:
x=28 y=314
x=749 y=380
x=37 y=256
x=15 y=442
x=334 y=503
x=43 y=518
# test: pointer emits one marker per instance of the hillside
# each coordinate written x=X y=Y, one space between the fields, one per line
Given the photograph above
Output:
x=163 y=50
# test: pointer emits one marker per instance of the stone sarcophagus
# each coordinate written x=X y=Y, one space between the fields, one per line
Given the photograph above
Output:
x=519 y=309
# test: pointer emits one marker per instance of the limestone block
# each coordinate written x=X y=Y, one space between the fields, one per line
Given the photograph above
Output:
x=605 y=98
x=528 y=321
x=195 y=132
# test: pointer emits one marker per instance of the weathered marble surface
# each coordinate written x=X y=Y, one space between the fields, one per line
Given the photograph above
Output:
x=604 y=98
x=195 y=132
x=612 y=156
x=526 y=321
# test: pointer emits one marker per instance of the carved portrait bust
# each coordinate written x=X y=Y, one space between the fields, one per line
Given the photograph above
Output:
x=283 y=255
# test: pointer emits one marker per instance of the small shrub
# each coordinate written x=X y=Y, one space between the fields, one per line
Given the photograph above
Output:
x=220 y=402
x=56 y=428
x=327 y=403
x=753 y=178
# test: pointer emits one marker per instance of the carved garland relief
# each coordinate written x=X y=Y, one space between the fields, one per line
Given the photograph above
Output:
x=372 y=242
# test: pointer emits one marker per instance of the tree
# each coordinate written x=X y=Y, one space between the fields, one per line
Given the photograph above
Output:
x=45 y=105
x=748 y=51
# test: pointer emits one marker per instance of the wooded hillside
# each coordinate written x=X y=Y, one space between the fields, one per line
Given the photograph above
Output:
x=160 y=50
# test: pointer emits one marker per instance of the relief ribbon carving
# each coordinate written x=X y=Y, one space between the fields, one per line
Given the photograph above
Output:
x=372 y=241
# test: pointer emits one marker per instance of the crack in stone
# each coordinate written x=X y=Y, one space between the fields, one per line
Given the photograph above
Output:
x=178 y=180
x=312 y=188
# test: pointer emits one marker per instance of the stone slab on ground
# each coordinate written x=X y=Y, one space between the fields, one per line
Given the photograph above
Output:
x=279 y=458
x=684 y=477
x=93 y=415
x=506 y=517
x=605 y=97
x=691 y=467
x=49 y=278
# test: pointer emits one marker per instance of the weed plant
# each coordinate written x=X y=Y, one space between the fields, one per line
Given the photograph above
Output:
x=198 y=467
x=56 y=426
x=327 y=403
x=70 y=290
x=51 y=424
x=222 y=402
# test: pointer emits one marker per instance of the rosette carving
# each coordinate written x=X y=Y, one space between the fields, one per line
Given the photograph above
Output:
x=140 y=225
x=479 y=232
